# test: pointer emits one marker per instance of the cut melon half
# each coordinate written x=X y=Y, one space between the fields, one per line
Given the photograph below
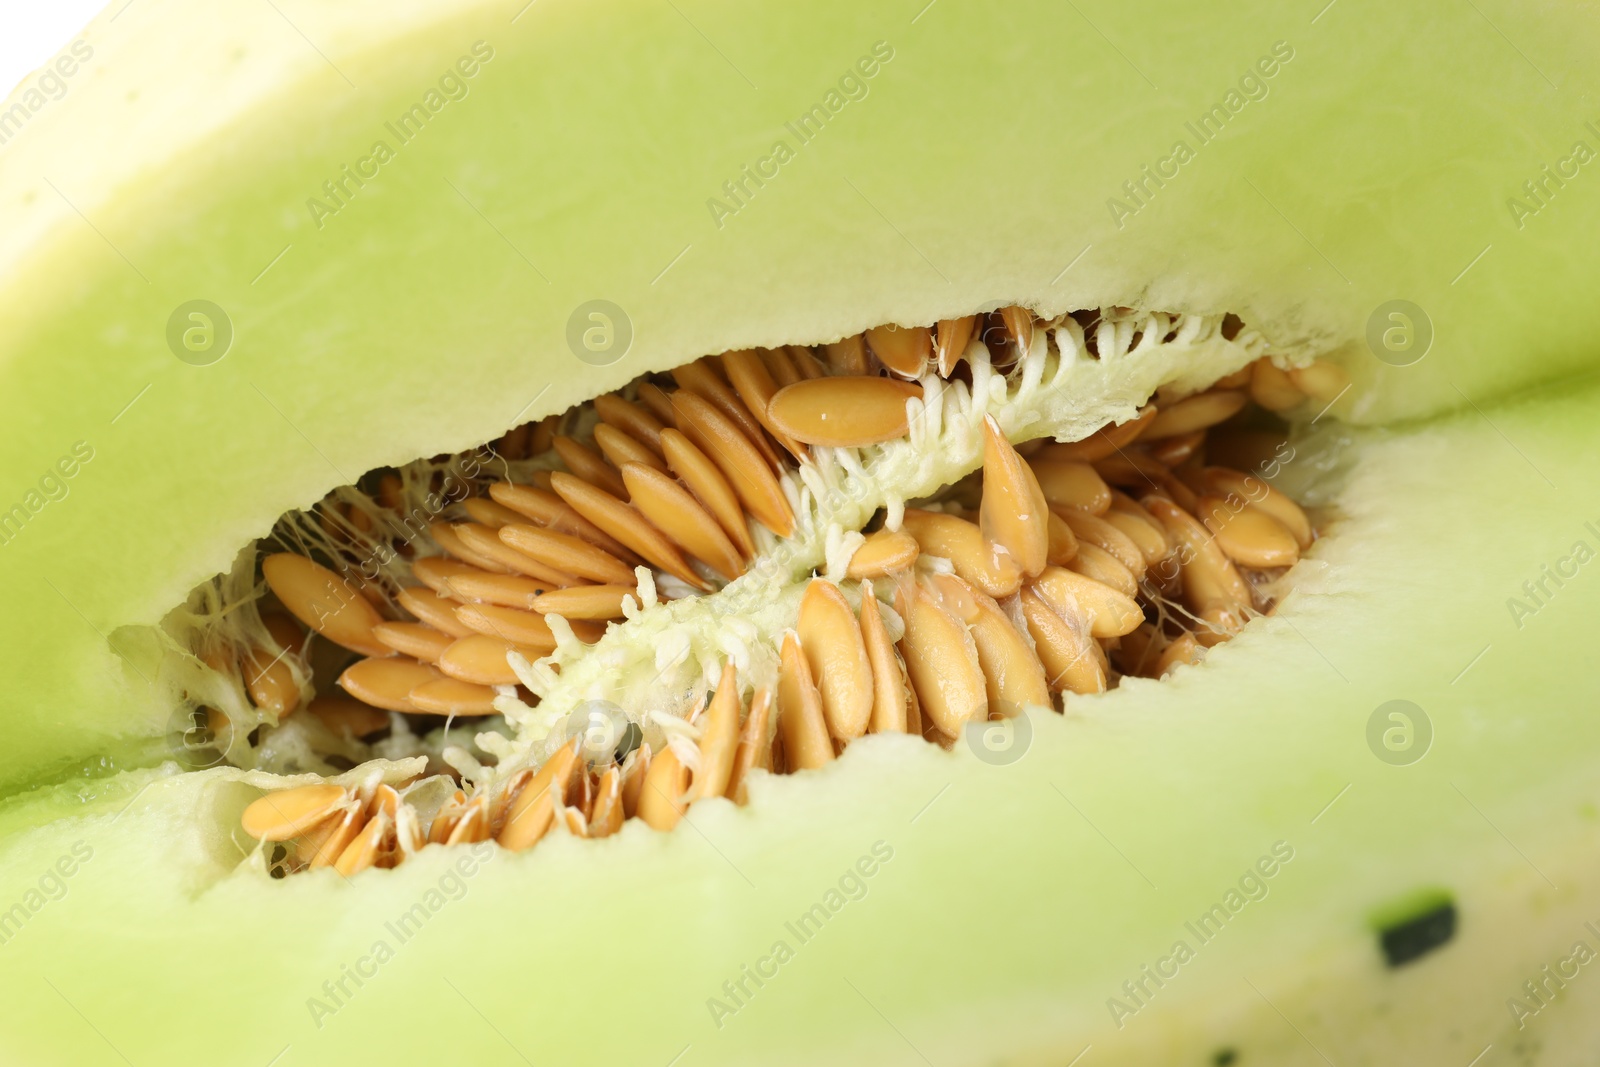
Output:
x=1360 y=831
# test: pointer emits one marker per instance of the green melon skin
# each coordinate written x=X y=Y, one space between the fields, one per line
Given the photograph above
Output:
x=430 y=312
x=1018 y=898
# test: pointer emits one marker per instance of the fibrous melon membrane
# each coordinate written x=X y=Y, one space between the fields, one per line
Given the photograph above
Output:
x=1224 y=790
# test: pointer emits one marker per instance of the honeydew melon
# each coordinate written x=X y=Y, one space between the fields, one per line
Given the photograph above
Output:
x=430 y=312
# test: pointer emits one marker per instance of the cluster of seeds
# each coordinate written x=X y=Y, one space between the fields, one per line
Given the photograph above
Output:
x=1057 y=568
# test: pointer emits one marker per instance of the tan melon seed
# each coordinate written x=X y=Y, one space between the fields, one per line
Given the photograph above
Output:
x=883 y=553
x=954 y=335
x=658 y=402
x=801 y=724
x=831 y=640
x=889 y=697
x=1106 y=535
x=1096 y=563
x=417 y=640
x=385 y=799
x=362 y=851
x=473 y=824
x=592 y=602
x=634 y=770
x=391 y=493
x=449 y=538
x=1133 y=467
x=1183 y=649
x=287 y=813
x=631 y=419
x=531 y=812
x=587 y=464
x=620 y=449
x=848 y=356
x=452 y=696
x=565 y=553
x=606 y=819
x=483 y=510
x=1272 y=388
x=719 y=739
x=699 y=379
x=904 y=350
x=1254 y=490
x=508 y=590
x=1071 y=484
x=437 y=611
x=345 y=717
x=1210 y=582
x=624 y=522
x=544 y=432
x=520 y=627
x=1322 y=380
x=445 y=820
x=547 y=509
x=963 y=544
x=740 y=462
x=805 y=362
x=1105 y=611
x=386 y=683
x=844 y=412
x=1139 y=526
x=1063 y=542
x=1104 y=442
x=1018 y=322
x=1249 y=535
x=942 y=663
x=326 y=843
x=1064 y=651
x=1013 y=513
x=675 y=512
x=268 y=676
x=755 y=745
x=1013 y=676
x=324 y=601
x=1173 y=451
x=661 y=800
x=756 y=387
x=780 y=366
x=695 y=469
x=1196 y=413
x=482 y=659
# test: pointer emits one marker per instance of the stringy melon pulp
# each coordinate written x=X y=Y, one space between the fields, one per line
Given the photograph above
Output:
x=666 y=657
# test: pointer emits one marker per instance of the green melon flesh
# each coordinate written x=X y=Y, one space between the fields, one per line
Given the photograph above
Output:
x=1016 y=901
x=430 y=314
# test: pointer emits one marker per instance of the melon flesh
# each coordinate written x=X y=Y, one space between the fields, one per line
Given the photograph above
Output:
x=1018 y=899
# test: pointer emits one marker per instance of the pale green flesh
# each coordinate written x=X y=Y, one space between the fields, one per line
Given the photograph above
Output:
x=1005 y=919
x=975 y=171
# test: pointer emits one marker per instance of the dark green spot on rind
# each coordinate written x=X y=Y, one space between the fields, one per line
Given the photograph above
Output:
x=1418 y=936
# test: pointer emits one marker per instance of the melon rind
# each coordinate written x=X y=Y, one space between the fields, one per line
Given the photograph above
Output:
x=1018 y=898
x=430 y=313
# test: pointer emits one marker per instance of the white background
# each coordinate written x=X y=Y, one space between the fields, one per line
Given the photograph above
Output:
x=35 y=30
